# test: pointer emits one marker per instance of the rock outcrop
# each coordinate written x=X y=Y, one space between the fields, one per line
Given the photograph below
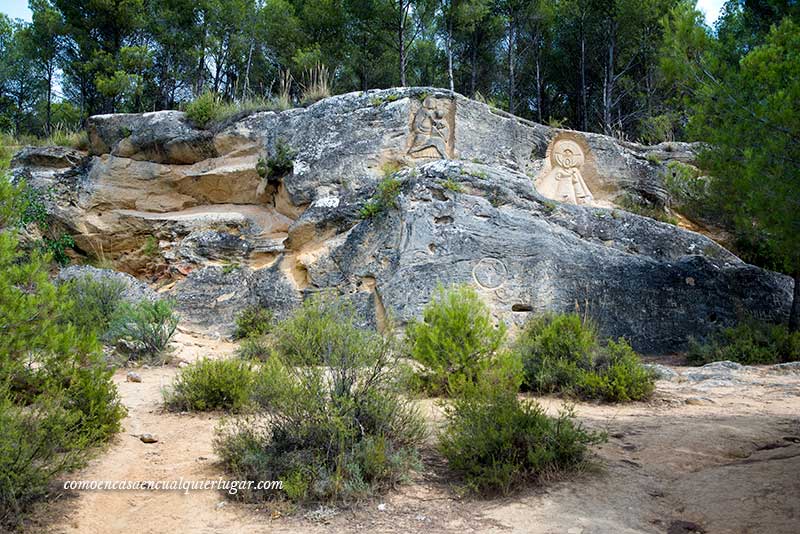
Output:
x=525 y=213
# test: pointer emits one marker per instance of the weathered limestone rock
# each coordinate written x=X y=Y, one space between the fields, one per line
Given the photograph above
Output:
x=525 y=213
x=134 y=290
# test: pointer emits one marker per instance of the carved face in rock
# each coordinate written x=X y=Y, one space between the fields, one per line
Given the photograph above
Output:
x=566 y=154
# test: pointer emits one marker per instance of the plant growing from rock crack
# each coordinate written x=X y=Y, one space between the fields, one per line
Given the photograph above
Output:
x=385 y=198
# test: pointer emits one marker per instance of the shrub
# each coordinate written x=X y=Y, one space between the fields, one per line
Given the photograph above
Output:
x=254 y=348
x=496 y=442
x=750 y=342
x=333 y=433
x=562 y=354
x=321 y=331
x=554 y=349
x=96 y=302
x=204 y=109
x=618 y=377
x=279 y=164
x=253 y=321
x=144 y=330
x=36 y=444
x=211 y=384
x=455 y=340
x=56 y=396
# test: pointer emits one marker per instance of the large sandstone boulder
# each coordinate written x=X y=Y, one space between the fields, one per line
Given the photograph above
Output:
x=527 y=214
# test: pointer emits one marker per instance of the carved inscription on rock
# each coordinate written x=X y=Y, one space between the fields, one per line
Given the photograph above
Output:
x=490 y=273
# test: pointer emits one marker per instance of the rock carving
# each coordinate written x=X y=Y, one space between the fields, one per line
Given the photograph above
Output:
x=565 y=182
x=430 y=129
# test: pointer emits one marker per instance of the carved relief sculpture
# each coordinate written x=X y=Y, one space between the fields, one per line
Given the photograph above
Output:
x=431 y=129
x=564 y=182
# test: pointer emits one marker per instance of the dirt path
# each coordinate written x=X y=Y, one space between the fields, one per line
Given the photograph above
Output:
x=719 y=448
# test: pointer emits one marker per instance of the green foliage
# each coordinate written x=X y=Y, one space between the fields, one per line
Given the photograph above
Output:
x=253 y=321
x=455 y=341
x=561 y=354
x=554 y=349
x=57 y=248
x=36 y=444
x=150 y=247
x=380 y=100
x=384 y=199
x=204 y=109
x=280 y=163
x=336 y=432
x=96 y=303
x=452 y=185
x=56 y=395
x=142 y=331
x=749 y=343
x=254 y=348
x=211 y=384
x=323 y=331
x=497 y=442
x=618 y=376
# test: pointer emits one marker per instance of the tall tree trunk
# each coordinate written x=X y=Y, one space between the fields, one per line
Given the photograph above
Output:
x=794 y=315
x=538 y=88
x=584 y=104
x=402 y=47
x=512 y=82
x=48 y=125
x=473 y=77
x=450 y=56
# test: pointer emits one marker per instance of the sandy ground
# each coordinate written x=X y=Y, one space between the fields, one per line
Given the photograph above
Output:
x=715 y=451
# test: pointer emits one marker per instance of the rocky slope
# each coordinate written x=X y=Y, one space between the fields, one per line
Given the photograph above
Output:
x=525 y=213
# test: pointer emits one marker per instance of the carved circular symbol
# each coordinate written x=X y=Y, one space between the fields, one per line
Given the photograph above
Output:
x=567 y=154
x=490 y=273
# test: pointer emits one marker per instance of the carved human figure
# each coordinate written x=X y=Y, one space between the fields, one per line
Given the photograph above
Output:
x=430 y=131
x=564 y=182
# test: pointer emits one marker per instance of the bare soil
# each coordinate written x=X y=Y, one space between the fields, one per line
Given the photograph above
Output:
x=717 y=455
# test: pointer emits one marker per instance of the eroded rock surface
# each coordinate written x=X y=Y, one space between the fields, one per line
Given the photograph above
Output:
x=218 y=210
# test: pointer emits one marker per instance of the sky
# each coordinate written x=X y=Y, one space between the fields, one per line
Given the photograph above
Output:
x=19 y=9
x=16 y=9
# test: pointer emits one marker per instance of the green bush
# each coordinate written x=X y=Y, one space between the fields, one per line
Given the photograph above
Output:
x=496 y=441
x=204 y=109
x=455 y=341
x=334 y=433
x=211 y=384
x=96 y=302
x=254 y=348
x=142 y=331
x=554 y=350
x=561 y=353
x=56 y=396
x=618 y=377
x=253 y=321
x=750 y=342
x=36 y=444
x=322 y=331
